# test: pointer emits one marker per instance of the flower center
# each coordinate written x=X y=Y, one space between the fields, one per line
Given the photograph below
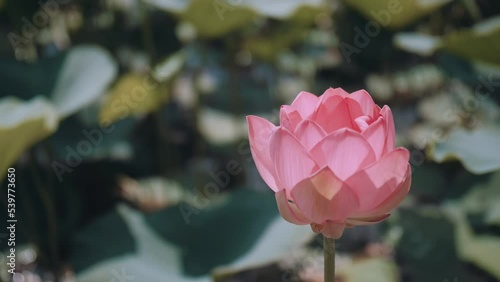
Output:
x=363 y=122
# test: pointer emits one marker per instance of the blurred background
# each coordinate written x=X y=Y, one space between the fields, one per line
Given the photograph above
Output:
x=125 y=123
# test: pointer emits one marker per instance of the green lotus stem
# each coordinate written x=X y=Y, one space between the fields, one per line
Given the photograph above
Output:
x=329 y=253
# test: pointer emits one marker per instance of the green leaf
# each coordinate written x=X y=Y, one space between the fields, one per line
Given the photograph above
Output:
x=280 y=9
x=429 y=182
x=86 y=73
x=477 y=44
x=372 y=269
x=476 y=149
x=395 y=14
x=268 y=47
x=169 y=67
x=484 y=198
x=481 y=250
x=493 y=215
x=133 y=94
x=105 y=238
x=41 y=75
x=22 y=125
x=239 y=230
x=221 y=128
x=424 y=45
x=175 y=6
x=425 y=232
x=72 y=80
x=141 y=93
x=215 y=18
x=218 y=233
x=113 y=144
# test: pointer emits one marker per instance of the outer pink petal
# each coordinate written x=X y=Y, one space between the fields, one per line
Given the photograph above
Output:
x=305 y=103
x=393 y=200
x=259 y=135
x=324 y=197
x=289 y=211
x=376 y=134
x=377 y=182
x=367 y=220
x=335 y=92
x=291 y=160
x=309 y=133
x=361 y=104
x=289 y=117
x=333 y=230
x=344 y=151
x=390 y=142
x=332 y=113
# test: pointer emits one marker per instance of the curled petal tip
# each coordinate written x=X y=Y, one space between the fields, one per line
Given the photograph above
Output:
x=289 y=211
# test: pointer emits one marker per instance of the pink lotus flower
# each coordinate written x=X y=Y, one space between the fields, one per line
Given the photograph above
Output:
x=332 y=161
